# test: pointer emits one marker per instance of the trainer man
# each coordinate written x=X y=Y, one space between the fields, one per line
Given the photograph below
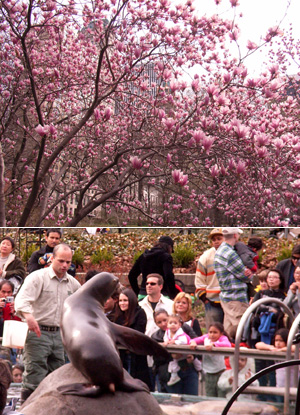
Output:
x=40 y=302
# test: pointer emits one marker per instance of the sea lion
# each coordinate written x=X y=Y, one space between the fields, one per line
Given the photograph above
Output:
x=90 y=340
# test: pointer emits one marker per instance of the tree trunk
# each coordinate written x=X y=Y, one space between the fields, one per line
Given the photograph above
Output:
x=2 y=190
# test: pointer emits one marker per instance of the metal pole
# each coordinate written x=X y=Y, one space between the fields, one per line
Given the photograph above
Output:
x=293 y=330
x=240 y=329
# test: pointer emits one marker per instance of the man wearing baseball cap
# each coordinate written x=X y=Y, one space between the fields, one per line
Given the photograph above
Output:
x=233 y=277
x=206 y=282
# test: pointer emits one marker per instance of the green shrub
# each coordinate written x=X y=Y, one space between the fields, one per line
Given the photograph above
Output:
x=183 y=255
x=103 y=254
x=136 y=256
x=78 y=257
x=284 y=253
x=25 y=256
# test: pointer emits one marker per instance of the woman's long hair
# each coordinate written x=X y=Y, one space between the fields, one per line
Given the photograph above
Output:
x=188 y=315
x=128 y=315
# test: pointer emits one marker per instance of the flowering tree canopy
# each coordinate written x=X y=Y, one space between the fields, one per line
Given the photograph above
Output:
x=95 y=106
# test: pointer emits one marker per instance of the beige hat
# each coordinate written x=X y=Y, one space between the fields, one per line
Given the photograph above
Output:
x=216 y=231
x=231 y=231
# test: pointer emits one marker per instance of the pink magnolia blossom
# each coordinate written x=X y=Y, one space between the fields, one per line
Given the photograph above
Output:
x=174 y=85
x=161 y=114
x=199 y=136
x=169 y=123
x=120 y=46
x=262 y=152
x=207 y=142
x=136 y=162
x=234 y=34
x=296 y=184
x=52 y=130
x=97 y=114
x=231 y=164
x=215 y=171
x=42 y=130
x=251 y=45
x=261 y=139
x=227 y=77
x=279 y=144
x=179 y=177
x=196 y=85
x=137 y=52
x=212 y=90
x=107 y=113
x=272 y=32
x=241 y=167
x=241 y=130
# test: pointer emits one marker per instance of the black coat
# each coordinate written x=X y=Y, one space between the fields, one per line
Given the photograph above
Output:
x=135 y=364
x=286 y=267
x=158 y=261
x=33 y=264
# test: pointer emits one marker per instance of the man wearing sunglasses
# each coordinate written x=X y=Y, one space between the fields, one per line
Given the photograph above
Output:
x=287 y=266
x=154 y=301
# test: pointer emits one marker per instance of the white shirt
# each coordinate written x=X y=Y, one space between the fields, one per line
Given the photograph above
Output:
x=163 y=303
x=43 y=294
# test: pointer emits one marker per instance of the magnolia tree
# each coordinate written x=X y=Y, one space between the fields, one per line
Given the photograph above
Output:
x=96 y=105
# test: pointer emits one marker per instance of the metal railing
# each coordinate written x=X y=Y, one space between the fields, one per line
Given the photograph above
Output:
x=288 y=354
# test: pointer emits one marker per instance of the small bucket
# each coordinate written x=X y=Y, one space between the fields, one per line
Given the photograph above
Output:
x=14 y=334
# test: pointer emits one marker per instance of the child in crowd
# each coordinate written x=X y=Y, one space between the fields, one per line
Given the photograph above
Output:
x=175 y=335
x=249 y=255
x=245 y=372
x=280 y=345
x=160 y=366
x=263 y=283
x=160 y=363
x=213 y=365
x=5 y=381
x=17 y=373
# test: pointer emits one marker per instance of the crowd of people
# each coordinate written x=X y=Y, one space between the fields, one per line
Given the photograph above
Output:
x=227 y=280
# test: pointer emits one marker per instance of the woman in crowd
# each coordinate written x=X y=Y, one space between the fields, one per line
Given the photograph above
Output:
x=267 y=320
x=293 y=296
x=7 y=303
x=11 y=267
x=189 y=366
x=269 y=317
x=128 y=313
x=183 y=306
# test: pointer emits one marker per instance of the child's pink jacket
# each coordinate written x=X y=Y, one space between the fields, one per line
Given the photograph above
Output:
x=223 y=341
x=180 y=337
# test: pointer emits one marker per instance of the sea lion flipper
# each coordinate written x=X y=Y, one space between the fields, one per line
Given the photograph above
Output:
x=137 y=342
x=131 y=384
x=80 y=389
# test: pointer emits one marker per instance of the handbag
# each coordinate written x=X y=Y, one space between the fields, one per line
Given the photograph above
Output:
x=14 y=334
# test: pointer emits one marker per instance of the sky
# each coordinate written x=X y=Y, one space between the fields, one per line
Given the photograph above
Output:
x=257 y=17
